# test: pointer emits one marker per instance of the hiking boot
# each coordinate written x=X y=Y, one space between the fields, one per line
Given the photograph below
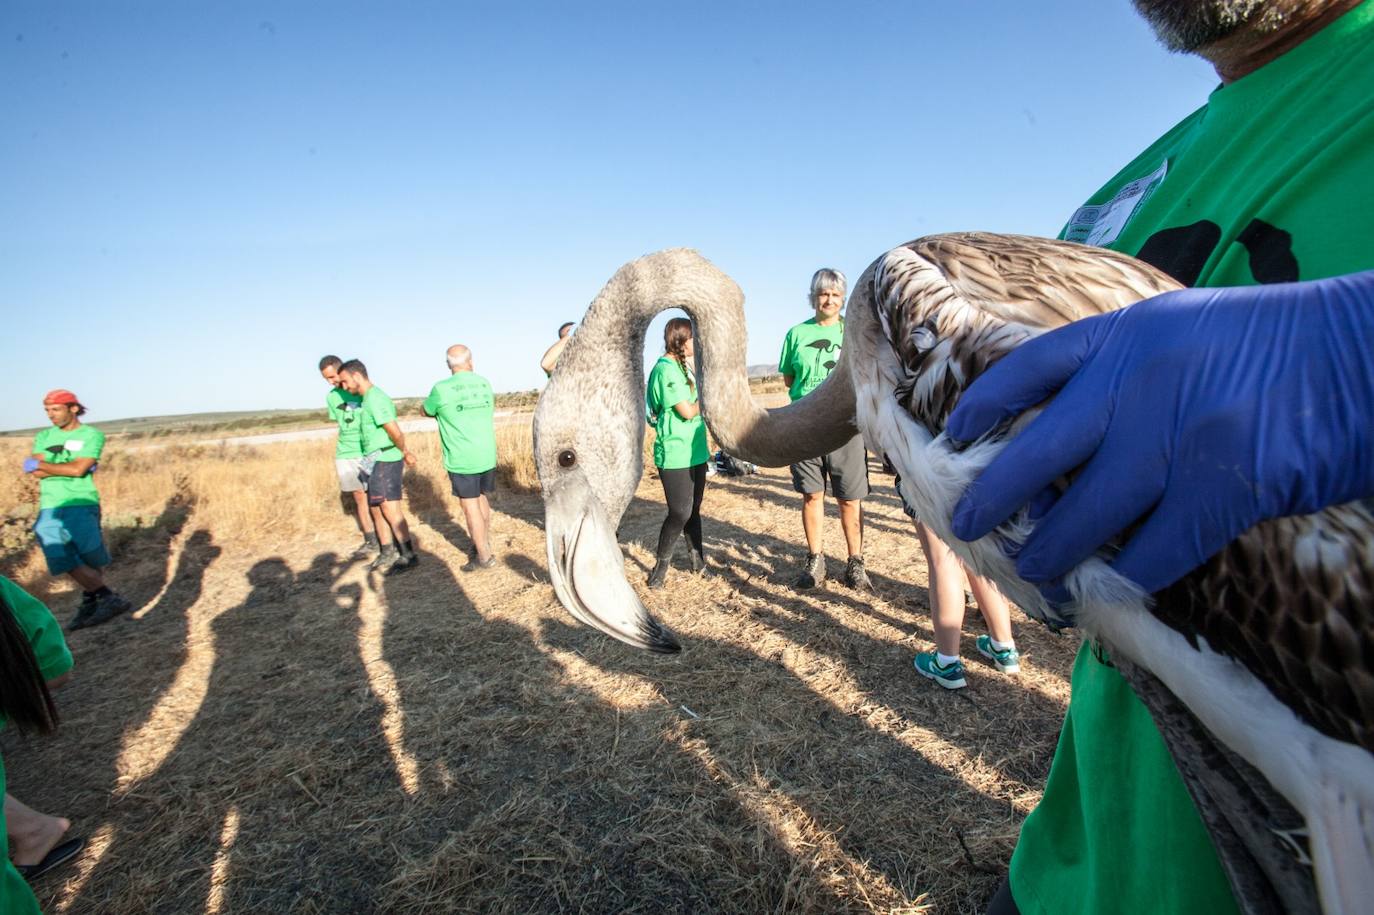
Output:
x=855 y=576
x=696 y=560
x=369 y=547
x=1007 y=660
x=107 y=608
x=951 y=677
x=401 y=563
x=814 y=572
x=388 y=555
x=84 y=611
x=659 y=576
x=480 y=565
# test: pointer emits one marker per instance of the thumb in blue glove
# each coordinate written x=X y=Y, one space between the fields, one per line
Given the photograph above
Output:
x=1195 y=414
x=30 y=464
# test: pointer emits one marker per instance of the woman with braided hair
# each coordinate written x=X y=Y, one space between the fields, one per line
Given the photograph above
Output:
x=680 y=451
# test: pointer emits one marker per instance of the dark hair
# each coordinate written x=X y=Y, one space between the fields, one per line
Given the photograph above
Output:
x=565 y=325
x=330 y=362
x=24 y=696
x=355 y=366
x=676 y=333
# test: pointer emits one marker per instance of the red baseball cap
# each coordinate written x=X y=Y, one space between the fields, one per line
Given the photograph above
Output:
x=60 y=395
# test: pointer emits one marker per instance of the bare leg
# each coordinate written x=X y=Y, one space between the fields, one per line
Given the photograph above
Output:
x=813 y=518
x=32 y=834
x=994 y=607
x=852 y=523
x=486 y=510
x=394 y=516
x=477 y=526
x=88 y=578
x=946 y=591
x=364 y=516
x=379 y=522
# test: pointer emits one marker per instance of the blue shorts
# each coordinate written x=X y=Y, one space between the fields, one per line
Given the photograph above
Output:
x=69 y=536
x=472 y=485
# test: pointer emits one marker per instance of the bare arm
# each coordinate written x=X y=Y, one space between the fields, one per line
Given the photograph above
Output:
x=77 y=468
x=787 y=381
x=60 y=680
x=687 y=409
x=552 y=353
x=398 y=438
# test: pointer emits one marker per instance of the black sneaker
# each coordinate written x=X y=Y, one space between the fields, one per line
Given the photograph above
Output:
x=84 y=611
x=384 y=560
x=813 y=574
x=107 y=608
x=403 y=562
x=855 y=576
x=478 y=565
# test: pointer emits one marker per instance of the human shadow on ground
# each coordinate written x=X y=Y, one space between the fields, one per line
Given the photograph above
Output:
x=437 y=510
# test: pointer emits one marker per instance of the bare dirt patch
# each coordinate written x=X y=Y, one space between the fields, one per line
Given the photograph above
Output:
x=276 y=731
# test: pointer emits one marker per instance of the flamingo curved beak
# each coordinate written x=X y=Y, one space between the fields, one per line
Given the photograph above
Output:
x=588 y=570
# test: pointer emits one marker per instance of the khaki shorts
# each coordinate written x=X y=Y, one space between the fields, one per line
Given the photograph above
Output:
x=349 y=479
x=846 y=468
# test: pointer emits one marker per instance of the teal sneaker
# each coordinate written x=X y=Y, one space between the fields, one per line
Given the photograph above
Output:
x=1007 y=661
x=951 y=677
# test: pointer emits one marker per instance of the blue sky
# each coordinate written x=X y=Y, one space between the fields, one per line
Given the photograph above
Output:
x=199 y=199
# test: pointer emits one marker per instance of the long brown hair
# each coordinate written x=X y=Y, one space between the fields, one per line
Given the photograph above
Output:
x=675 y=336
x=24 y=696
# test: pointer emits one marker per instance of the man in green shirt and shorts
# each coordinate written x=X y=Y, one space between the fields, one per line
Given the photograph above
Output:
x=346 y=409
x=384 y=456
x=464 y=406
x=809 y=353
x=68 y=526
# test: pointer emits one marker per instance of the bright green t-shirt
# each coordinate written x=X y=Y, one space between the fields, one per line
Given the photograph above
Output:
x=54 y=659
x=58 y=447
x=809 y=354
x=346 y=410
x=1271 y=181
x=678 y=442
x=378 y=410
x=464 y=406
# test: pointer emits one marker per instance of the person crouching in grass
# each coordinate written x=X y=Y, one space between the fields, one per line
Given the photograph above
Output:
x=345 y=408
x=384 y=455
x=464 y=405
x=68 y=526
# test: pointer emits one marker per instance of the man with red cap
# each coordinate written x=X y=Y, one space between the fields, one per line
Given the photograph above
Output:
x=68 y=525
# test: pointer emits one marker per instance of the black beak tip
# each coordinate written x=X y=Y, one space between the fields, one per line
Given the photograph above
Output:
x=660 y=639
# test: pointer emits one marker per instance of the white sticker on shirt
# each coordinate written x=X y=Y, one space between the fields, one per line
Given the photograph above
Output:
x=73 y=445
x=1102 y=224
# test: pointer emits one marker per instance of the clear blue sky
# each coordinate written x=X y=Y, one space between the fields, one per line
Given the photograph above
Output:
x=198 y=200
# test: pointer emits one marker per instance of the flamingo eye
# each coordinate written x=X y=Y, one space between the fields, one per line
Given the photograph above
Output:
x=566 y=458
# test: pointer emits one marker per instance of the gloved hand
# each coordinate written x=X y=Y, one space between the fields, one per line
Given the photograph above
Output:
x=30 y=464
x=1198 y=413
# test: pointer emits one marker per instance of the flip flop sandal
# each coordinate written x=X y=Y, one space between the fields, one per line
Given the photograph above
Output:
x=61 y=854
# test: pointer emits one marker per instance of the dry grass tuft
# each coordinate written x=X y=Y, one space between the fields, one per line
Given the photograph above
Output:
x=275 y=730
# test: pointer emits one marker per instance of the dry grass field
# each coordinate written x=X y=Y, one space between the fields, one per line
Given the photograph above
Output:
x=275 y=731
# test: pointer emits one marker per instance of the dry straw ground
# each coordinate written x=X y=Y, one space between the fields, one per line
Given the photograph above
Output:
x=275 y=731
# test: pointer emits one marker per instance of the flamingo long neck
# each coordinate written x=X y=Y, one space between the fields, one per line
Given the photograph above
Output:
x=610 y=343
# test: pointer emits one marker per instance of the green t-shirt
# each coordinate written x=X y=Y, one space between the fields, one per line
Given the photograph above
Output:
x=1271 y=181
x=346 y=410
x=58 y=447
x=678 y=442
x=464 y=405
x=378 y=410
x=50 y=650
x=809 y=354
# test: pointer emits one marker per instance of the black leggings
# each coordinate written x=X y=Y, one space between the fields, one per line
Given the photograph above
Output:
x=682 y=489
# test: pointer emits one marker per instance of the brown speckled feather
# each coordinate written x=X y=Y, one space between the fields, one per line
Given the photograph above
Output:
x=1292 y=599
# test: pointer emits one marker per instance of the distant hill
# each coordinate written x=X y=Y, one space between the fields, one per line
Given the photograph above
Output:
x=762 y=371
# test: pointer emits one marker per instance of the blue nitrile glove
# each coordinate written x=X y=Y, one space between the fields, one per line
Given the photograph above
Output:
x=1198 y=413
x=30 y=464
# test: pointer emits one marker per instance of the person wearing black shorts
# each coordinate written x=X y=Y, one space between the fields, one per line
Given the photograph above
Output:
x=384 y=459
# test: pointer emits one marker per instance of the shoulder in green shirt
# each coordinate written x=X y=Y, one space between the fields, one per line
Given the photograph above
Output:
x=809 y=354
x=346 y=410
x=464 y=406
x=678 y=442
x=58 y=447
x=1270 y=182
x=378 y=410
